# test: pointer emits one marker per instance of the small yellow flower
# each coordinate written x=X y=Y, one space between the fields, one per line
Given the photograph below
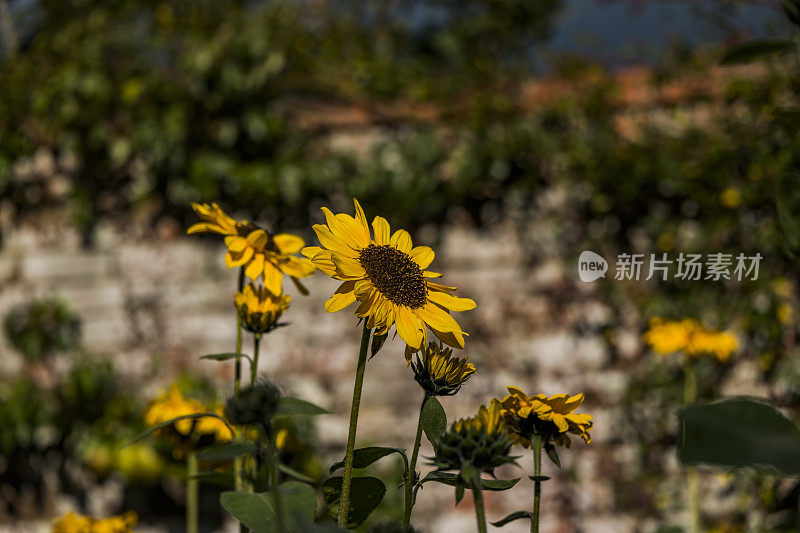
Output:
x=717 y=344
x=438 y=373
x=172 y=404
x=669 y=336
x=260 y=309
x=264 y=254
x=551 y=417
x=386 y=275
x=690 y=337
x=77 y=523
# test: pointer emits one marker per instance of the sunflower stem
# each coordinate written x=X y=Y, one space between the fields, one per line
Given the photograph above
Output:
x=477 y=493
x=537 y=482
x=237 y=383
x=344 y=506
x=412 y=467
x=192 y=492
x=254 y=367
x=272 y=457
x=692 y=480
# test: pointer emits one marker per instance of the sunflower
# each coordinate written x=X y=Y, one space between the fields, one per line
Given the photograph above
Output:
x=261 y=253
x=260 y=309
x=172 y=404
x=480 y=442
x=690 y=337
x=386 y=275
x=77 y=523
x=717 y=344
x=551 y=417
x=438 y=373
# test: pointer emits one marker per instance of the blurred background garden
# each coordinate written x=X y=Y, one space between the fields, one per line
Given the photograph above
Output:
x=510 y=135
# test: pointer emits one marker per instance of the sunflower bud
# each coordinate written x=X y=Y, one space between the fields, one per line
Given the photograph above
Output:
x=253 y=405
x=479 y=443
x=440 y=374
x=259 y=309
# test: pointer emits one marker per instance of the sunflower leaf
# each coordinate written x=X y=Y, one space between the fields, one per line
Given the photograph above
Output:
x=512 y=517
x=171 y=421
x=739 y=432
x=377 y=344
x=227 y=451
x=255 y=509
x=433 y=419
x=220 y=479
x=552 y=454
x=446 y=478
x=460 y=489
x=291 y=472
x=363 y=457
x=295 y=406
x=538 y=478
x=226 y=356
x=366 y=493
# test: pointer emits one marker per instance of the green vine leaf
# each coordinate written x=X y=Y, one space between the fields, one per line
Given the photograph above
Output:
x=363 y=457
x=433 y=419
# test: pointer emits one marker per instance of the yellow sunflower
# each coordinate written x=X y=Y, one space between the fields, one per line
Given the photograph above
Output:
x=264 y=254
x=77 y=523
x=551 y=417
x=259 y=309
x=438 y=372
x=172 y=404
x=691 y=337
x=386 y=274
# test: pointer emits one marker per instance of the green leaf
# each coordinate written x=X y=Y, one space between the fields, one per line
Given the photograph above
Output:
x=227 y=451
x=171 y=421
x=226 y=356
x=552 y=454
x=433 y=418
x=377 y=344
x=538 y=478
x=757 y=50
x=220 y=479
x=295 y=406
x=739 y=432
x=453 y=480
x=291 y=472
x=460 y=490
x=513 y=516
x=787 y=202
x=256 y=510
x=366 y=493
x=363 y=457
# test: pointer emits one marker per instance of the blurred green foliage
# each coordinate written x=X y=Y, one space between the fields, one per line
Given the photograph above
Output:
x=42 y=328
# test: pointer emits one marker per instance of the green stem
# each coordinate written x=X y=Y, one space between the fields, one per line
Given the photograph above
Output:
x=480 y=514
x=344 y=506
x=237 y=383
x=412 y=468
x=692 y=480
x=272 y=457
x=254 y=367
x=537 y=482
x=192 y=492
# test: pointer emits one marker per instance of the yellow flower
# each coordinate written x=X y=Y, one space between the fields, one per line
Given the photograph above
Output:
x=691 y=337
x=440 y=374
x=551 y=417
x=263 y=253
x=172 y=404
x=76 y=523
x=260 y=309
x=731 y=197
x=387 y=275
x=669 y=336
x=489 y=420
x=718 y=344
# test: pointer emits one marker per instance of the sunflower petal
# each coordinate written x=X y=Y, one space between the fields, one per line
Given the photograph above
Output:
x=288 y=243
x=380 y=226
x=296 y=267
x=422 y=256
x=343 y=297
x=451 y=302
x=255 y=267
x=409 y=326
x=401 y=240
x=273 y=279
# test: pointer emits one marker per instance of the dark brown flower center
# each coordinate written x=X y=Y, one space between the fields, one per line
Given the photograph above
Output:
x=394 y=274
